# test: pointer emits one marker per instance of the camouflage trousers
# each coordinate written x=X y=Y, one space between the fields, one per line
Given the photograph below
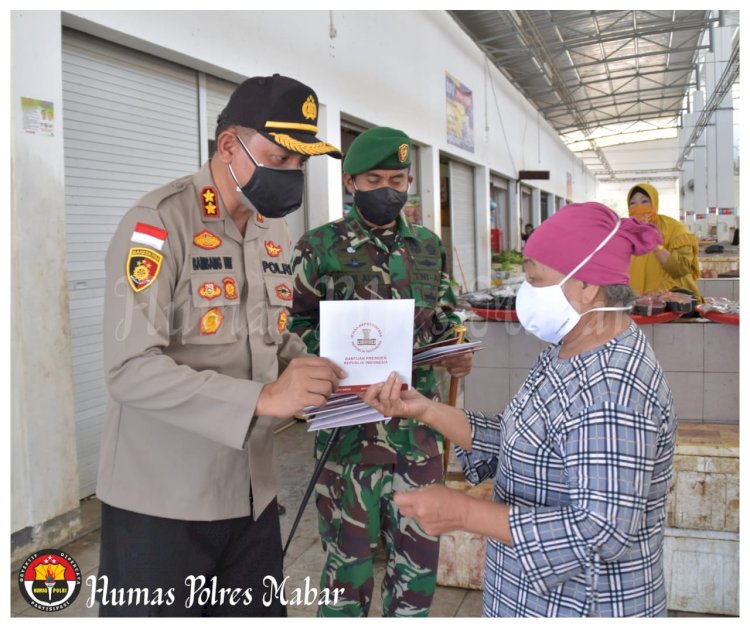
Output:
x=355 y=511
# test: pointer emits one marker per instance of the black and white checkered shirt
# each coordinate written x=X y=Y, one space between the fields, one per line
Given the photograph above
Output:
x=583 y=456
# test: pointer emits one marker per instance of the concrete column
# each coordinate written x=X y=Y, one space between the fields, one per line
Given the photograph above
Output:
x=536 y=207
x=720 y=134
x=482 y=225
x=699 y=159
x=429 y=187
x=324 y=173
x=44 y=467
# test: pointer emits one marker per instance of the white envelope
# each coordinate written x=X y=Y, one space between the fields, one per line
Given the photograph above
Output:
x=368 y=339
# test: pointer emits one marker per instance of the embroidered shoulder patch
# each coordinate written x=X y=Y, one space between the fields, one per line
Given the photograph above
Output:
x=142 y=267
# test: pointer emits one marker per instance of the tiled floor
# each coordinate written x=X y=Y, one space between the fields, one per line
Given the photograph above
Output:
x=304 y=557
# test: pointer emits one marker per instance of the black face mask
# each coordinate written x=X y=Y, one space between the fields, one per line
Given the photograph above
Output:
x=379 y=206
x=273 y=192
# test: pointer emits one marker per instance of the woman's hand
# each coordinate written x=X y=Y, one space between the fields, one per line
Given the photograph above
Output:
x=457 y=365
x=437 y=509
x=388 y=399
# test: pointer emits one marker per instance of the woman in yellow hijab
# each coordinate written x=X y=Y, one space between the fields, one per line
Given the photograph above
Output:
x=673 y=264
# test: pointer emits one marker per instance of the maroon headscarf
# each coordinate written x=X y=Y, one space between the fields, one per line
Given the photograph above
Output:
x=567 y=237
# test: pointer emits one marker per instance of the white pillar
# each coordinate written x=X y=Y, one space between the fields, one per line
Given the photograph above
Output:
x=536 y=207
x=482 y=222
x=699 y=159
x=720 y=133
x=44 y=467
x=324 y=186
x=429 y=191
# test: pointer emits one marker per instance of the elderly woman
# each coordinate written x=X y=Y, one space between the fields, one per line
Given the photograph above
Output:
x=674 y=263
x=582 y=456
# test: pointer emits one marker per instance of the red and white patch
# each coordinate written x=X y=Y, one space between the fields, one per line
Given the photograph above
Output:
x=149 y=235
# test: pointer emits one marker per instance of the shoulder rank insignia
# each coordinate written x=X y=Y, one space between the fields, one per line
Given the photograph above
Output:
x=209 y=290
x=142 y=267
x=284 y=292
x=149 y=235
x=208 y=202
x=206 y=240
x=272 y=248
x=211 y=321
x=230 y=288
x=281 y=322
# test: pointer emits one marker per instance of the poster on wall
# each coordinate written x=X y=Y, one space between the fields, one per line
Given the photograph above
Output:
x=459 y=113
x=38 y=116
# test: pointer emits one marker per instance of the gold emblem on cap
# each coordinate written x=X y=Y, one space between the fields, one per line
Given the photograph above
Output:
x=309 y=108
x=403 y=152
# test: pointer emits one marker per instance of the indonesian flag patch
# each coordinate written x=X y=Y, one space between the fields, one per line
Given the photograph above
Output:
x=149 y=235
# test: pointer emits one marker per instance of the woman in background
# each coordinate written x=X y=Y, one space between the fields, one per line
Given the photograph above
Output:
x=674 y=264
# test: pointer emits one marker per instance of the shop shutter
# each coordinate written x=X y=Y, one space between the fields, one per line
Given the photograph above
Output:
x=130 y=124
x=463 y=225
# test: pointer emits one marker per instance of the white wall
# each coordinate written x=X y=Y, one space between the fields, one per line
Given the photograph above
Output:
x=380 y=67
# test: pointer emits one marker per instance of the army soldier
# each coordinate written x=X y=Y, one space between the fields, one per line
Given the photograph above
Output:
x=374 y=253
x=199 y=367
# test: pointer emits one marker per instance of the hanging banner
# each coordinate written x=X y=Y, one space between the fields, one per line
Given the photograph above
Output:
x=459 y=113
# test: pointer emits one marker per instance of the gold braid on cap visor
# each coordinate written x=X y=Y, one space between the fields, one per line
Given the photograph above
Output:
x=314 y=148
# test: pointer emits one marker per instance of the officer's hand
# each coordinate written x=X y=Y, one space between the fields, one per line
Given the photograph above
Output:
x=457 y=365
x=305 y=382
x=437 y=509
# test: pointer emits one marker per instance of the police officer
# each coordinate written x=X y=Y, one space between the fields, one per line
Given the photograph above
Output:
x=199 y=366
x=374 y=253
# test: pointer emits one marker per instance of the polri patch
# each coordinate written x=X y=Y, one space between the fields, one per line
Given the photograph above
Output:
x=230 y=288
x=209 y=205
x=142 y=267
x=206 y=240
x=211 y=321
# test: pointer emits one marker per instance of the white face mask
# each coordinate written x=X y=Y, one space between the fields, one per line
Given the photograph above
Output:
x=546 y=312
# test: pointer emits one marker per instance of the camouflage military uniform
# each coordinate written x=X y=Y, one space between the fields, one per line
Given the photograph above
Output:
x=345 y=260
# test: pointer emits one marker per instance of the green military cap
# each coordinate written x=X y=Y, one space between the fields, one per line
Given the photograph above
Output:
x=381 y=148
